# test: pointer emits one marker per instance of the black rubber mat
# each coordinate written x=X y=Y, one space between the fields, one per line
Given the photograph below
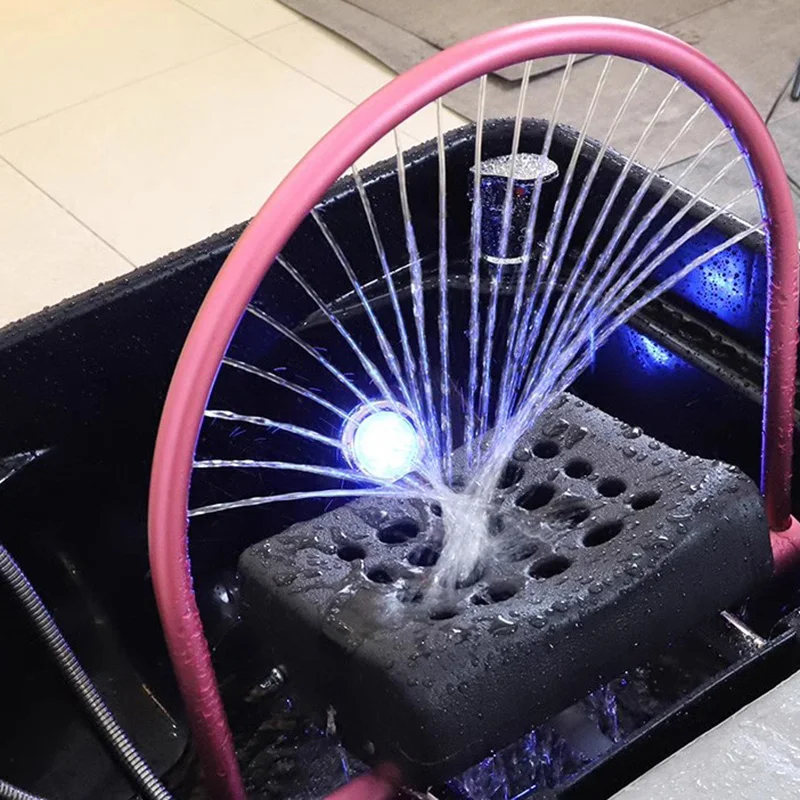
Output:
x=609 y=545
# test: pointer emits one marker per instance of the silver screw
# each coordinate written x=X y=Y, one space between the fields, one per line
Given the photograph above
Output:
x=274 y=681
x=747 y=633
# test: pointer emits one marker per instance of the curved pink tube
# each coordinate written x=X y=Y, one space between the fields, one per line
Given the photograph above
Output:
x=786 y=548
x=381 y=785
x=305 y=185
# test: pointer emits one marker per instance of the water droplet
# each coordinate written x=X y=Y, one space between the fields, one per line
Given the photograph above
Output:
x=374 y=517
x=700 y=505
x=522 y=454
x=501 y=625
x=457 y=635
x=574 y=436
x=555 y=428
x=678 y=516
x=628 y=451
x=311 y=573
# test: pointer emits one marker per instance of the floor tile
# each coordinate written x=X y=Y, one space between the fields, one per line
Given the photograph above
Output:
x=248 y=18
x=169 y=160
x=344 y=68
x=45 y=254
x=56 y=54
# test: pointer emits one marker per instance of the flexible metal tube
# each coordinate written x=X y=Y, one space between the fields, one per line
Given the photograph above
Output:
x=9 y=792
x=113 y=735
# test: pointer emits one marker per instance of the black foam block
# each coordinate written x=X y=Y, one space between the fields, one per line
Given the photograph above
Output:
x=609 y=544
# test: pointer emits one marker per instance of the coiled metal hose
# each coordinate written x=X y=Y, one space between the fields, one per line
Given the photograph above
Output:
x=9 y=792
x=144 y=778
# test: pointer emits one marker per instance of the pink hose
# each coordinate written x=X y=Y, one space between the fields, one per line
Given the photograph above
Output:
x=263 y=239
x=381 y=785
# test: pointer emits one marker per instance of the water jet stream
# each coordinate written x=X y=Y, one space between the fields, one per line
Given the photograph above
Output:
x=532 y=325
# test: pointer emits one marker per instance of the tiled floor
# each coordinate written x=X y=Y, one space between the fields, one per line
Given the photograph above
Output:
x=129 y=128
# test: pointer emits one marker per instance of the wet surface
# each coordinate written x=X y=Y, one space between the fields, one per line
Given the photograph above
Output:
x=594 y=541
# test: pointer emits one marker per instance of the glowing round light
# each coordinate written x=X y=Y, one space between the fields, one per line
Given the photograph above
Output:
x=380 y=440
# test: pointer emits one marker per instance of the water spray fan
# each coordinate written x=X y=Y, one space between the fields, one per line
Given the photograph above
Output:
x=498 y=547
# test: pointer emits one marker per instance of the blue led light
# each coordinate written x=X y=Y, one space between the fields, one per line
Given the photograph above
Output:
x=727 y=285
x=721 y=289
x=651 y=354
x=657 y=353
x=380 y=440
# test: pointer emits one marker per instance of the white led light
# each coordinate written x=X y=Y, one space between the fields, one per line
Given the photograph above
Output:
x=380 y=440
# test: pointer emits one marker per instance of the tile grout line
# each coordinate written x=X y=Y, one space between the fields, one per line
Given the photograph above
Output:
x=344 y=97
x=141 y=79
x=66 y=210
x=353 y=103
x=273 y=30
x=242 y=39
x=251 y=42
x=304 y=74
x=238 y=35
x=119 y=88
x=4 y=159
